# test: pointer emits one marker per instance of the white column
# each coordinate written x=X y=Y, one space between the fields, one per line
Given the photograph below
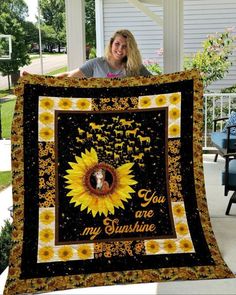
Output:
x=173 y=35
x=99 y=28
x=75 y=33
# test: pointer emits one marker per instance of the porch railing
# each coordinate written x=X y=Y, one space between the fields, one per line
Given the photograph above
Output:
x=216 y=105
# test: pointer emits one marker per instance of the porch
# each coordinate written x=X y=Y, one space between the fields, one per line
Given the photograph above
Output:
x=223 y=227
x=215 y=105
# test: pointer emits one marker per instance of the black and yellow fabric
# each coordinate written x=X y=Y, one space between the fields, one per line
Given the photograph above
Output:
x=108 y=184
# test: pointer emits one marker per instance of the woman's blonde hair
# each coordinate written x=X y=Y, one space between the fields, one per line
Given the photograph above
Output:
x=133 y=60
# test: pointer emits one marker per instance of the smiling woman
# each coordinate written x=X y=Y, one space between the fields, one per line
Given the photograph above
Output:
x=122 y=58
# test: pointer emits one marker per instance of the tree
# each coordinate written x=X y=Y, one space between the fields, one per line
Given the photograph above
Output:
x=17 y=8
x=49 y=37
x=53 y=19
x=31 y=32
x=90 y=26
x=53 y=15
x=12 y=15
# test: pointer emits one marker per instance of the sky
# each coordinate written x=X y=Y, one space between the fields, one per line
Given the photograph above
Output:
x=33 y=9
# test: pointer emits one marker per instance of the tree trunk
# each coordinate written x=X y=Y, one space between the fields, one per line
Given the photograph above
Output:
x=9 y=84
x=14 y=78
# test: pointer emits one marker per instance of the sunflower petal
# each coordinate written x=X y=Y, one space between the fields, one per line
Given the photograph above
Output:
x=97 y=204
x=125 y=168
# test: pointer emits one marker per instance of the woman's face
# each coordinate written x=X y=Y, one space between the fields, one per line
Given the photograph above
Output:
x=119 y=48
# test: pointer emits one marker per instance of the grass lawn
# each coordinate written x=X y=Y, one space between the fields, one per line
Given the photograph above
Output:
x=37 y=55
x=7 y=111
x=58 y=71
x=5 y=179
x=5 y=92
x=7 y=108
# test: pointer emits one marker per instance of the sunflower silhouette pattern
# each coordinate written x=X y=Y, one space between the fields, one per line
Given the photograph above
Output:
x=104 y=160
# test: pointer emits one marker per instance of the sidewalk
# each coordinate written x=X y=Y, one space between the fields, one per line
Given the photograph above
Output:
x=5 y=155
x=6 y=203
x=7 y=97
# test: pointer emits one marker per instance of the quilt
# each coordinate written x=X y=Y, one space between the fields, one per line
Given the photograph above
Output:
x=108 y=184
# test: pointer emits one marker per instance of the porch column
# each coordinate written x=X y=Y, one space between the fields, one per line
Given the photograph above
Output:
x=99 y=27
x=173 y=35
x=75 y=33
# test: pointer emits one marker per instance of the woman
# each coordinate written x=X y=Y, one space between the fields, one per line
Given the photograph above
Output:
x=122 y=58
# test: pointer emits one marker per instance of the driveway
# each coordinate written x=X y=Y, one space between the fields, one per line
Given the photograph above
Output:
x=50 y=63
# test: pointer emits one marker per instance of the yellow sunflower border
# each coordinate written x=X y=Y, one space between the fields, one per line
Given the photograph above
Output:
x=16 y=285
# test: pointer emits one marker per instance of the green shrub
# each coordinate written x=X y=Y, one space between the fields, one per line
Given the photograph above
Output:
x=213 y=61
x=5 y=244
x=231 y=89
x=92 y=53
x=153 y=66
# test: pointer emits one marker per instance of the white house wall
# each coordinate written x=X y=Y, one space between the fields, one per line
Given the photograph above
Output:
x=120 y=14
x=204 y=17
x=201 y=18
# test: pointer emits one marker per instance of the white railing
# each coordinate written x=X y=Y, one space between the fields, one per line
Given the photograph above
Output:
x=216 y=105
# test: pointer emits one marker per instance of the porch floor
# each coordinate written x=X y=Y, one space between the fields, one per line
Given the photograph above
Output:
x=223 y=226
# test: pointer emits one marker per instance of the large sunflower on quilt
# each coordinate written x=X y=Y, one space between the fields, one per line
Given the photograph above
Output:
x=108 y=184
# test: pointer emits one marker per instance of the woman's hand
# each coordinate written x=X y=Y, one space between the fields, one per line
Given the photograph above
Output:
x=62 y=75
x=74 y=73
x=24 y=73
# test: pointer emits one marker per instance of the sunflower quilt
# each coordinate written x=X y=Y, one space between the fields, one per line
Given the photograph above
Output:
x=108 y=184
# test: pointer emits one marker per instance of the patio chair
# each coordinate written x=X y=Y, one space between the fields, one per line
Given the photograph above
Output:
x=229 y=178
x=224 y=141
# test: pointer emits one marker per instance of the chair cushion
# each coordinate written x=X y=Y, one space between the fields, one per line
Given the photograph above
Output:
x=232 y=174
x=229 y=122
x=220 y=139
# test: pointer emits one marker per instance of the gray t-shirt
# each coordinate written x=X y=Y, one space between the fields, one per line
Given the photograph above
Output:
x=99 y=68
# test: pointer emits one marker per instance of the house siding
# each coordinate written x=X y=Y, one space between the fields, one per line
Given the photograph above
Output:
x=204 y=17
x=121 y=14
x=201 y=18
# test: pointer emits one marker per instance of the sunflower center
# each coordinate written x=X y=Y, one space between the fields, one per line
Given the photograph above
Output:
x=101 y=179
